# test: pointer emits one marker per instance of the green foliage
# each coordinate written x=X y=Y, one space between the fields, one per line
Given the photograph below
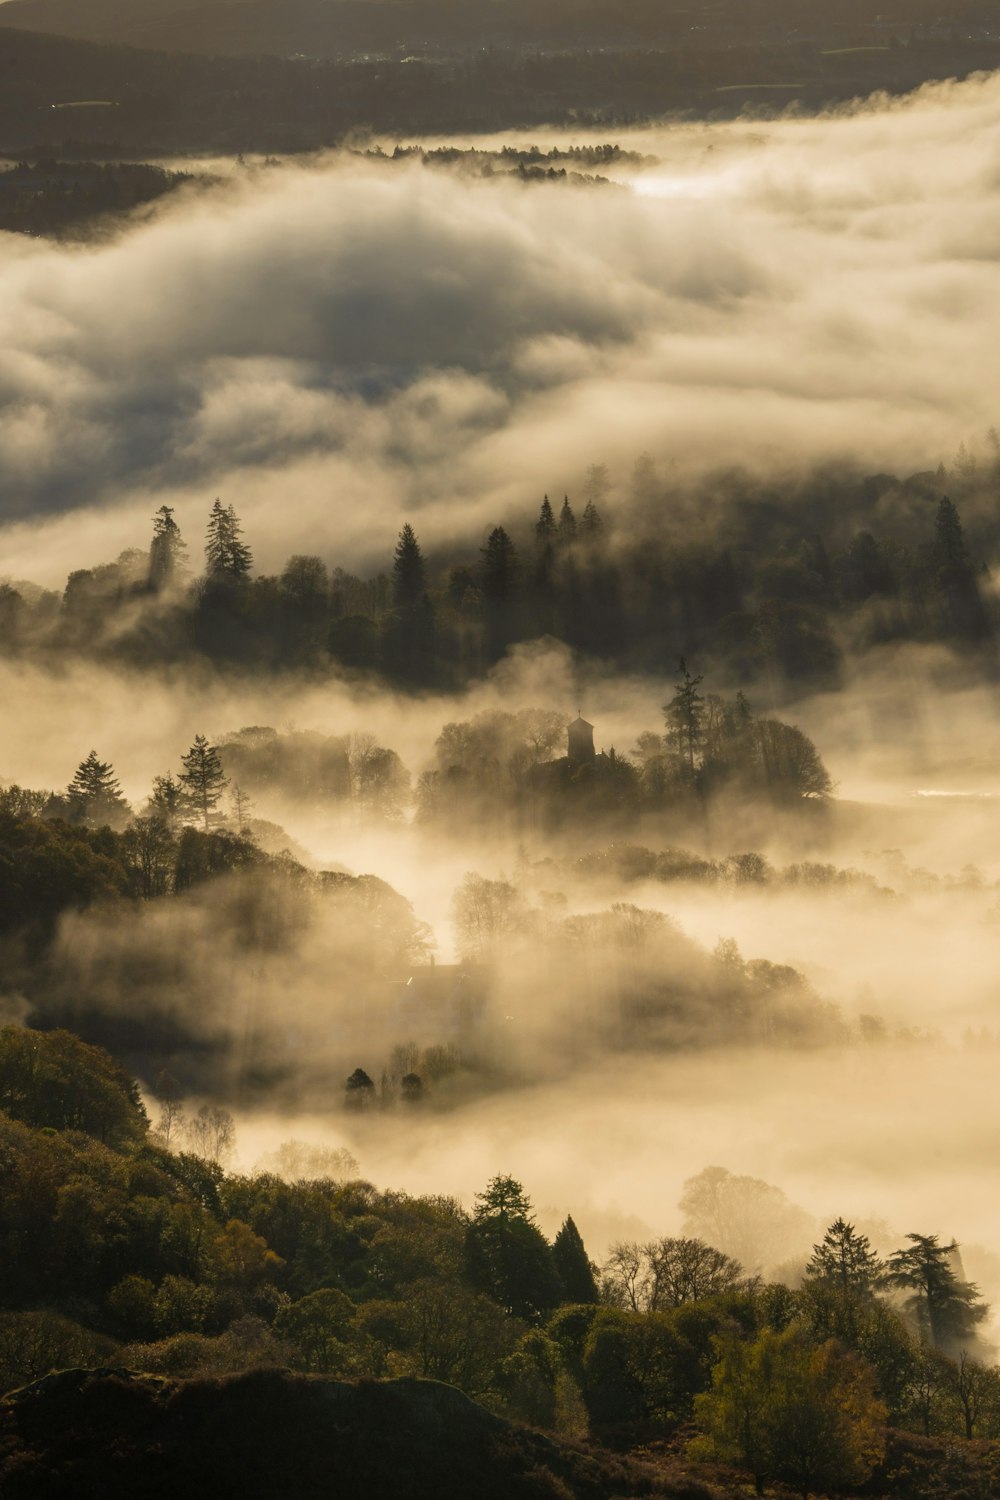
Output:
x=946 y=1308
x=53 y=1080
x=507 y=1256
x=846 y=1259
x=787 y=1409
x=573 y=1267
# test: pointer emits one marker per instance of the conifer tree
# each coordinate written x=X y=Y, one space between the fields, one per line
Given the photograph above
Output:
x=408 y=571
x=545 y=526
x=227 y=558
x=203 y=779
x=167 y=552
x=684 y=714
x=949 y=539
x=573 y=1265
x=567 y=522
x=166 y=799
x=95 y=796
x=946 y=1307
x=499 y=567
x=591 y=525
x=845 y=1259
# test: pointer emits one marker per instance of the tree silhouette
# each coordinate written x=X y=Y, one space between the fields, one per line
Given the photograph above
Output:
x=167 y=552
x=845 y=1259
x=95 y=796
x=408 y=571
x=227 y=558
x=684 y=714
x=947 y=1308
x=203 y=779
x=573 y=1265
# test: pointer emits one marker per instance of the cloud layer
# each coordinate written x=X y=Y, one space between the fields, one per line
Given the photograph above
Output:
x=336 y=344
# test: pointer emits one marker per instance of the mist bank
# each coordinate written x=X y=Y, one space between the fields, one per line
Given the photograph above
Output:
x=749 y=303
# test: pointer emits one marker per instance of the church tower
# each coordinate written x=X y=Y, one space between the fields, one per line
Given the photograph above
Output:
x=580 y=735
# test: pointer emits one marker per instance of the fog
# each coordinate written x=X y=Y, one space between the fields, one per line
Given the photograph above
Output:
x=339 y=344
x=376 y=339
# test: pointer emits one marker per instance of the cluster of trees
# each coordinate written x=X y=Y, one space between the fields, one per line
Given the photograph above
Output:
x=59 y=198
x=119 y=1249
x=765 y=601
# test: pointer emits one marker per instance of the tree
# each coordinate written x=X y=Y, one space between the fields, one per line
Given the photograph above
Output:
x=750 y=1220
x=684 y=714
x=789 y=1410
x=687 y=1270
x=573 y=1266
x=845 y=1259
x=211 y=1133
x=507 y=1256
x=545 y=526
x=52 y=1080
x=95 y=797
x=203 y=779
x=408 y=571
x=166 y=800
x=949 y=539
x=227 y=558
x=567 y=523
x=149 y=851
x=499 y=568
x=359 y=1090
x=591 y=525
x=947 y=1309
x=167 y=552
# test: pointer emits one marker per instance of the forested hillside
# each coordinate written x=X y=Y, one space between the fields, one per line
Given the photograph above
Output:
x=123 y=1252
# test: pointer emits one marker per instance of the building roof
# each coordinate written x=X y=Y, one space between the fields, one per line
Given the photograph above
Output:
x=580 y=720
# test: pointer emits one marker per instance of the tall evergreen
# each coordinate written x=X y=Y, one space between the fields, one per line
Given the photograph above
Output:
x=591 y=524
x=203 y=780
x=545 y=526
x=573 y=1265
x=227 y=558
x=408 y=571
x=567 y=523
x=167 y=552
x=95 y=796
x=845 y=1259
x=499 y=567
x=684 y=715
x=949 y=539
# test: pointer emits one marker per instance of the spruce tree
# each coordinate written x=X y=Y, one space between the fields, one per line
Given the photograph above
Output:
x=845 y=1259
x=227 y=558
x=167 y=552
x=573 y=1265
x=567 y=523
x=684 y=714
x=949 y=539
x=203 y=779
x=545 y=526
x=408 y=571
x=95 y=797
x=591 y=525
x=499 y=567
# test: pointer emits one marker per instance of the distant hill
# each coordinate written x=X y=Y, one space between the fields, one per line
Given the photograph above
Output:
x=343 y=28
x=269 y=1434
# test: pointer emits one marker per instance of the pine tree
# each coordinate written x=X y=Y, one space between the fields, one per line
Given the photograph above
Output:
x=591 y=525
x=846 y=1260
x=684 y=714
x=567 y=523
x=573 y=1265
x=95 y=797
x=166 y=799
x=408 y=571
x=949 y=540
x=204 y=779
x=227 y=558
x=499 y=567
x=545 y=526
x=167 y=552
